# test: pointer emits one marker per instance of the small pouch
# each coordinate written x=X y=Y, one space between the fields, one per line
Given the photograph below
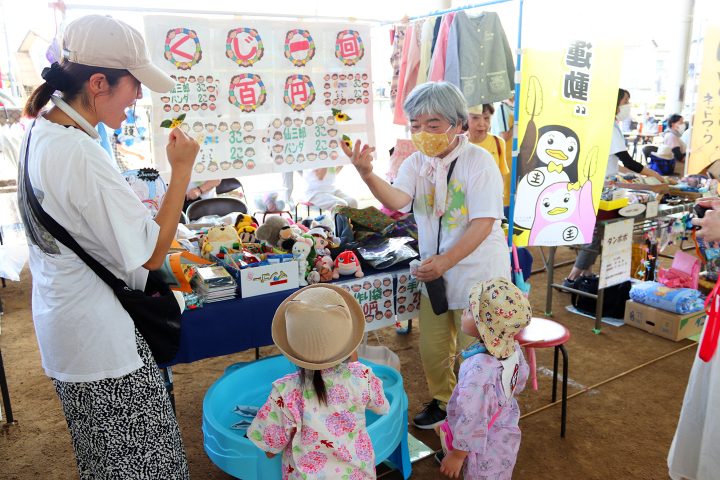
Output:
x=438 y=297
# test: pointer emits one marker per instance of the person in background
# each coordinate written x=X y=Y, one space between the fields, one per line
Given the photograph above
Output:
x=320 y=189
x=315 y=416
x=693 y=452
x=504 y=120
x=672 y=138
x=479 y=118
x=483 y=413
x=618 y=154
x=455 y=190
x=200 y=190
x=114 y=399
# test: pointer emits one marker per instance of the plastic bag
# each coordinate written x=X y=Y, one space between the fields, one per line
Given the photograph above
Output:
x=379 y=354
x=388 y=253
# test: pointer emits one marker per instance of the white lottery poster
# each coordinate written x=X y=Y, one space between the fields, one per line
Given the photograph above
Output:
x=407 y=298
x=375 y=295
x=261 y=96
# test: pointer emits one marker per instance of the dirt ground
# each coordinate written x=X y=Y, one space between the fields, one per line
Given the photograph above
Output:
x=620 y=430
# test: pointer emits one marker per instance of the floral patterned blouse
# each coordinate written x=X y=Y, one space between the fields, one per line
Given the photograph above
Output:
x=322 y=441
x=475 y=399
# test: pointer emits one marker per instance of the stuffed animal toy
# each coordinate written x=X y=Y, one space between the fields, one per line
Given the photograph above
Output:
x=269 y=203
x=269 y=232
x=324 y=267
x=247 y=234
x=303 y=253
x=321 y=240
x=243 y=219
x=347 y=263
x=218 y=237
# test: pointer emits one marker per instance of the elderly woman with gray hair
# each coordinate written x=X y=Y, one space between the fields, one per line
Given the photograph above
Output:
x=456 y=193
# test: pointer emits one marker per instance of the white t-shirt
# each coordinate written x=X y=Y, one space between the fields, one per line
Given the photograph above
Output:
x=314 y=185
x=475 y=191
x=617 y=144
x=83 y=331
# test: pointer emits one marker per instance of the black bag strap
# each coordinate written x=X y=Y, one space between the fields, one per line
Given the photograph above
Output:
x=450 y=171
x=59 y=232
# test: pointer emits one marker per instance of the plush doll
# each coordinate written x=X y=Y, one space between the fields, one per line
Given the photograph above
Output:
x=269 y=232
x=220 y=236
x=347 y=263
x=247 y=234
x=324 y=267
x=303 y=252
x=269 y=203
x=321 y=240
x=243 y=219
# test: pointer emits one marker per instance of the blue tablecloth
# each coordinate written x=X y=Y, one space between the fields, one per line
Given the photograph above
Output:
x=231 y=326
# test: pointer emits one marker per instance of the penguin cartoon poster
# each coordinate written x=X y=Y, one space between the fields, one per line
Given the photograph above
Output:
x=567 y=105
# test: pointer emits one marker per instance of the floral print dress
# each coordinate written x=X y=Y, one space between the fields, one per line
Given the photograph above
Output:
x=476 y=398
x=322 y=441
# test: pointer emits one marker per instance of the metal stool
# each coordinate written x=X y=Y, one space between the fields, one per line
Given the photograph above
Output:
x=543 y=333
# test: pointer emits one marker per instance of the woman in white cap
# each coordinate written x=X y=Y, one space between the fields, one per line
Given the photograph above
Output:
x=456 y=193
x=316 y=416
x=115 y=403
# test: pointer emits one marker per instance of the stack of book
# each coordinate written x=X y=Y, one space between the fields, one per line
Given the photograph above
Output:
x=214 y=283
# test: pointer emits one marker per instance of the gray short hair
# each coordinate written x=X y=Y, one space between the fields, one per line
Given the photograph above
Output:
x=439 y=98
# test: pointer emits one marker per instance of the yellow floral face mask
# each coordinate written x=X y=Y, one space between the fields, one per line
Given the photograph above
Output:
x=431 y=144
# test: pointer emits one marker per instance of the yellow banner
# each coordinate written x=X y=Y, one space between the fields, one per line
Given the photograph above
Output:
x=568 y=97
x=705 y=141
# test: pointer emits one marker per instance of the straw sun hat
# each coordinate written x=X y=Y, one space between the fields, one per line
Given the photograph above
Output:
x=500 y=310
x=318 y=326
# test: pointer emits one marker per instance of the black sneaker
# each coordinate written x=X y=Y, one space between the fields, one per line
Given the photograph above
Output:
x=569 y=283
x=430 y=416
x=439 y=455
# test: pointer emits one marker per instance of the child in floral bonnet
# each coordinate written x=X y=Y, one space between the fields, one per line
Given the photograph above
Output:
x=481 y=436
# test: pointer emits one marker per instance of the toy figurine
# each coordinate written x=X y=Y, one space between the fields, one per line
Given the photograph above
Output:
x=347 y=263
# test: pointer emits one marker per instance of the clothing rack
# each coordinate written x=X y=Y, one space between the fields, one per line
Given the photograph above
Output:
x=516 y=108
x=456 y=9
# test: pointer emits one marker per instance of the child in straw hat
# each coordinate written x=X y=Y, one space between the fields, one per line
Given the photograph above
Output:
x=481 y=435
x=316 y=416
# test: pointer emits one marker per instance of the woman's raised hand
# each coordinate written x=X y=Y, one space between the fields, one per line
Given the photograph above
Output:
x=181 y=151
x=360 y=156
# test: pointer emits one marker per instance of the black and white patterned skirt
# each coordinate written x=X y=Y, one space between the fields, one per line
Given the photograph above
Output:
x=124 y=428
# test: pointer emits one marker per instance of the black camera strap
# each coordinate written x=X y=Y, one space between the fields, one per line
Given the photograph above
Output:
x=59 y=232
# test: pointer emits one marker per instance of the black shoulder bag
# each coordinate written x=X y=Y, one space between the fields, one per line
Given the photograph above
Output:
x=436 y=288
x=155 y=311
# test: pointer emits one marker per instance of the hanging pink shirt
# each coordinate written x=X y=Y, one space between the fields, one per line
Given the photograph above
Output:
x=400 y=99
x=437 y=64
x=413 y=60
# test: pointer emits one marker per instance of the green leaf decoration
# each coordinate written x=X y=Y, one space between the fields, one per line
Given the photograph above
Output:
x=256 y=435
x=281 y=387
x=180 y=118
x=351 y=435
x=353 y=408
x=166 y=124
x=334 y=111
x=684 y=322
x=274 y=416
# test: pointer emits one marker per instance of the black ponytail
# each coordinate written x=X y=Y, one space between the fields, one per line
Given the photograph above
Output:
x=68 y=78
x=317 y=382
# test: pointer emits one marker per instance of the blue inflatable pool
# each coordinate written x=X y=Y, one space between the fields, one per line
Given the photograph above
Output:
x=249 y=384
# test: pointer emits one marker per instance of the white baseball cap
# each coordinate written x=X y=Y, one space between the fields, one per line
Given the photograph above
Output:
x=103 y=41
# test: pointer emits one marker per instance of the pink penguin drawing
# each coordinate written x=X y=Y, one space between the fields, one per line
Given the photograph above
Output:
x=563 y=216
